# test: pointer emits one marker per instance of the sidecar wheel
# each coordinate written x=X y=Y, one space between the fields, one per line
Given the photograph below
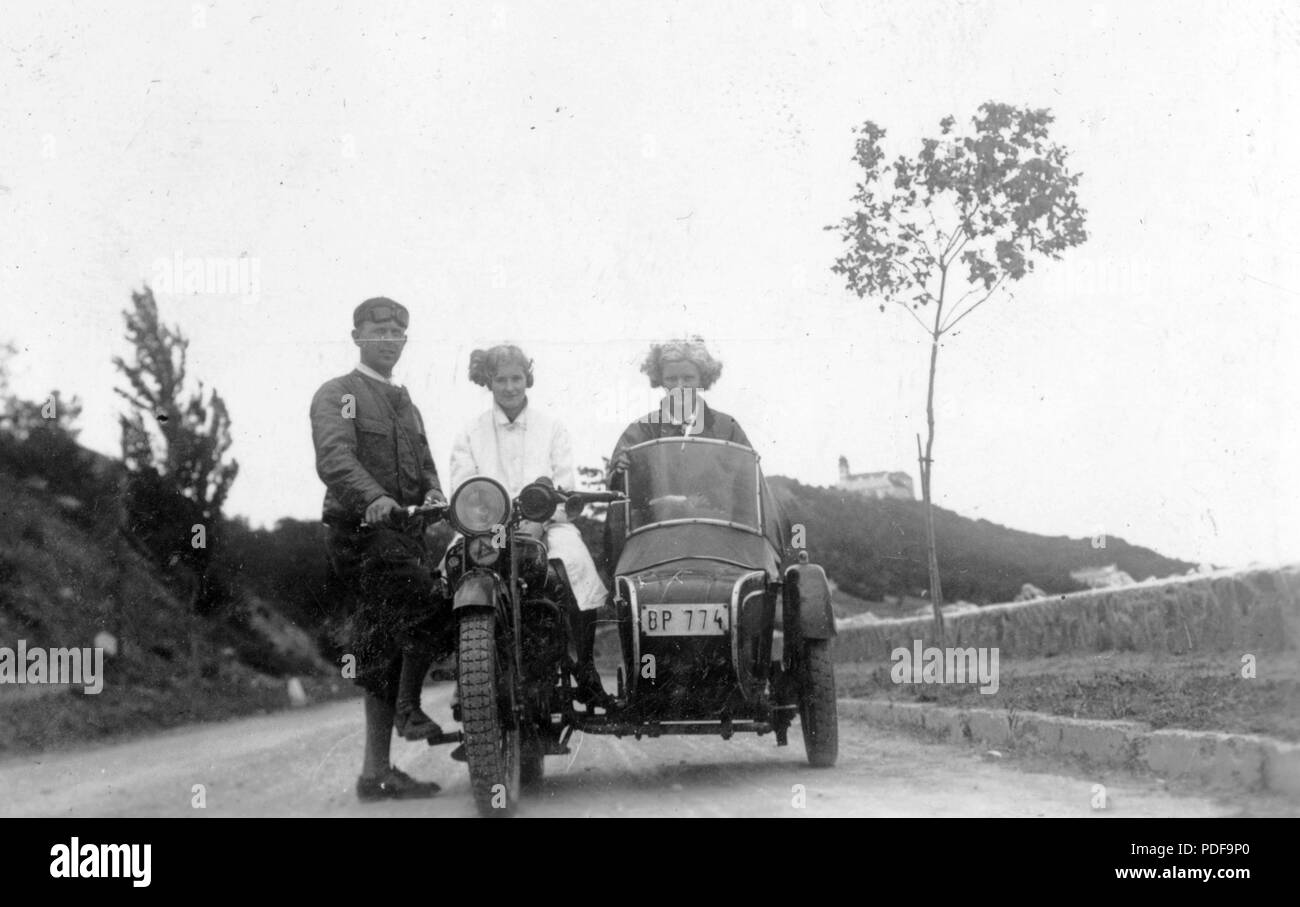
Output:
x=492 y=736
x=817 y=715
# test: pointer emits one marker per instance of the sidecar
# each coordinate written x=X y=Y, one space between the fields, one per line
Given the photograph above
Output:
x=705 y=585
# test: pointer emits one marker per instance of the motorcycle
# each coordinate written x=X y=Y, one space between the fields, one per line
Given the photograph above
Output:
x=511 y=604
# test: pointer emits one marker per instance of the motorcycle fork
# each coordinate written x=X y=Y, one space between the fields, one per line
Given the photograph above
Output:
x=516 y=629
x=540 y=724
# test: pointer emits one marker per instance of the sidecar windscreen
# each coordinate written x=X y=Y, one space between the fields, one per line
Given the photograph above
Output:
x=675 y=480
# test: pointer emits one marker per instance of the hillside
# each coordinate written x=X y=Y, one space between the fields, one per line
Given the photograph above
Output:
x=875 y=548
x=66 y=577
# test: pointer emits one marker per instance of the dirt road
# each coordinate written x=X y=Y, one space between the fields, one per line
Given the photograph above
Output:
x=304 y=763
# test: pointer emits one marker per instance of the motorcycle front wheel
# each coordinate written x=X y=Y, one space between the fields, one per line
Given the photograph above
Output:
x=492 y=733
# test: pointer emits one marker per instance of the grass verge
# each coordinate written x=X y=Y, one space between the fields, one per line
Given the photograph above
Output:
x=41 y=719
x=1190 y=692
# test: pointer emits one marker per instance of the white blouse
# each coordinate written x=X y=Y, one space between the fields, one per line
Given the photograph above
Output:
x=514 y=453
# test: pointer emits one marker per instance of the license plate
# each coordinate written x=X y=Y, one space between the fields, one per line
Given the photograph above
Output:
x=685 y=620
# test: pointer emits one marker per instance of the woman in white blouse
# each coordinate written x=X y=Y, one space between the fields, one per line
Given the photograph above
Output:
x=516 y=443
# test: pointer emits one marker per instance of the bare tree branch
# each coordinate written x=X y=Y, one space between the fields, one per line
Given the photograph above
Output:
x=967 y=295
x=915 y=272
x=938 y=232
x=917 y=236
x=953 y=323
x=915 y=316
x=952 y=240
x=950 y=254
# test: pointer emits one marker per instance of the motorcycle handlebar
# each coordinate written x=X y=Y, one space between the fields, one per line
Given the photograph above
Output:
x=536 y=500
x=400 y=517
x=429 y=513
x=595 y=497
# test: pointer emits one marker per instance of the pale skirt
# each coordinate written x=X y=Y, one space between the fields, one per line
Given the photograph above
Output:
x=564 y=541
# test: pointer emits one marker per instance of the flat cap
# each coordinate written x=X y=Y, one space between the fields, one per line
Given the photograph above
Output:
x=380 y=309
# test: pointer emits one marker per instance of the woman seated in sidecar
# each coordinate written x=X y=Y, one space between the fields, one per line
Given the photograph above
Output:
x=682 y=368
x=703 y=483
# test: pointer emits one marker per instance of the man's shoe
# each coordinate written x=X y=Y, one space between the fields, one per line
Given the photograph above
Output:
x=394 y=784
x=415 y=725
x=590 y=689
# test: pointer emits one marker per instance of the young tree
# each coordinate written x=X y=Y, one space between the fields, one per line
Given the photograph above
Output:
x=174 y=443
x=940 y=233
x=194 y=431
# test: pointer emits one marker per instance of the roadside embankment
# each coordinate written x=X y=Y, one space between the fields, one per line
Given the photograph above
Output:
x=1239 y=611
x=1222 y=761
x=1196 y=678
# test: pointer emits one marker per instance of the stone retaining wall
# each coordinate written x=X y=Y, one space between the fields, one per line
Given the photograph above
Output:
x=1244 y=761
x=1243 y=611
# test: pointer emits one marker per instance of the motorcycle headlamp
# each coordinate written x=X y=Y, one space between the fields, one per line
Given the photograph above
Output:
x=479 y=505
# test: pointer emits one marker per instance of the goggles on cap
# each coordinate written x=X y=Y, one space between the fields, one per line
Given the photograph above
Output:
x=382 y=311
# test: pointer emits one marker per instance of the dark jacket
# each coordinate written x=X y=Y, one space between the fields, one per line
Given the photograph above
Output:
x=717 y=425
x=377 y=447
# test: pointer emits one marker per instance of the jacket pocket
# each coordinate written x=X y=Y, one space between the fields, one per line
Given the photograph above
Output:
x=374 y=442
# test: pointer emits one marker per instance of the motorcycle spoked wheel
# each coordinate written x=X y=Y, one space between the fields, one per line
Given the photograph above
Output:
x=493 y=738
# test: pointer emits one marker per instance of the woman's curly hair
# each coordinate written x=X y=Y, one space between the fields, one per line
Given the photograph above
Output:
x=483 y=364
x=691 y=349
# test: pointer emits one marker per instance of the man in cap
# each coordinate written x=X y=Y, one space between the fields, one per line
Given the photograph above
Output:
x=372 y=453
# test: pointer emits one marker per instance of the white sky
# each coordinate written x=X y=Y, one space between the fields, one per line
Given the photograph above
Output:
x=583 y=178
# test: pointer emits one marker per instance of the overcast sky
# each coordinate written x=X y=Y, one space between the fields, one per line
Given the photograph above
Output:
x=584 y=178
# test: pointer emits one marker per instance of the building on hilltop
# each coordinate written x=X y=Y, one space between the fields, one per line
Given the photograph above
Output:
x=1107 y=577
x=876 y=484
